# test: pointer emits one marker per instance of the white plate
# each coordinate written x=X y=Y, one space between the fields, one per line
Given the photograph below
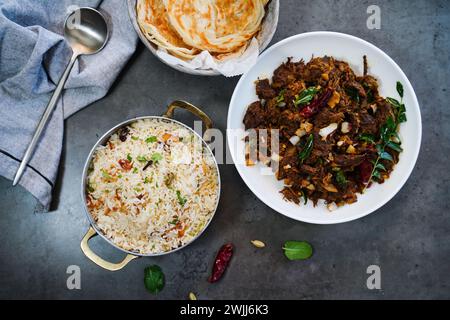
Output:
x=351 y=50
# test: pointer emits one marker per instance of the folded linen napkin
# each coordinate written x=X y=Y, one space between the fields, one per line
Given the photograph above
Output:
x=33 y=55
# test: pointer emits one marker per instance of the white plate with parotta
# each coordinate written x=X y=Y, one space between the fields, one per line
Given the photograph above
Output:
x=205 y=37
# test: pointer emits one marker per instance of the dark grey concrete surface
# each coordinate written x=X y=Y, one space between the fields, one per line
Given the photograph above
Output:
x=409 y=238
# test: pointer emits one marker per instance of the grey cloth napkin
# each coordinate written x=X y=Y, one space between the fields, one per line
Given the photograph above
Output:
x=33 y=55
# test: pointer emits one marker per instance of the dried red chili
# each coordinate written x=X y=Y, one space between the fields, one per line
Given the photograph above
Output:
x=315 y=106
x=221 y=262
x=365 y=171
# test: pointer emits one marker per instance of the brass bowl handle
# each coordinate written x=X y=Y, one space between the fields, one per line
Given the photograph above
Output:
x=194 y=110
x=100 y=261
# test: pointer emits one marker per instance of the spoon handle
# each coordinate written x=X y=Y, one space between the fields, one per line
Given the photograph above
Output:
x=43 y=122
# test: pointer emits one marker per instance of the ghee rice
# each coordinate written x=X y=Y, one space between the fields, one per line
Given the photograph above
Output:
x=153 y=187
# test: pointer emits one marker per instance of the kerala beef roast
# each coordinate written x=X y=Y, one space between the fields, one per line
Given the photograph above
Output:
x=330 y=124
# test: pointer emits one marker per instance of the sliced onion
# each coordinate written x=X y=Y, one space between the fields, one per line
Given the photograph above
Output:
x=324 y=132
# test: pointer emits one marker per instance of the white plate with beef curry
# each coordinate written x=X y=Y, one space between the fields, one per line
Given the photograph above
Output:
x=337 y=127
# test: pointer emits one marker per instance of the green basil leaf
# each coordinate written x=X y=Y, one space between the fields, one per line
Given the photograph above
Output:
x=154 y=279
x=306 y=151
x=297 y=250
x=400 y=89
x=129 y=157
x=386 y=156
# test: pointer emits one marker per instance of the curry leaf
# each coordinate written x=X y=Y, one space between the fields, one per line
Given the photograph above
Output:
x=400 y=89
x=386 y=156
x=394 y=102
x=307 y=148
x=280 y=97
x=181 y=200
x=141 y=159
x=157 y=157
x=376 y=174
x=305 y=197
x=106 y=175
x=151 y=139
x=154 y=279
x=305 y=96
x=367 y=138
x=297 y=250
x=340 y=178
x=389 y=136
x=353 y=93
x=394 y=146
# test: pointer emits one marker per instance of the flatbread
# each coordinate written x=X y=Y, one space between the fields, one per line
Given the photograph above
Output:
x=216 y=25
x=187 y=27
x=154 y=23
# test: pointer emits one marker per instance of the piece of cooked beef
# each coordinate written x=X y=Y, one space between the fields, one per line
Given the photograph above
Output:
x=327 y=116
x=367 y=123
x=348 y=160
x=287 y=73
x=255 y=115
x=356 y=87
x=264 y=89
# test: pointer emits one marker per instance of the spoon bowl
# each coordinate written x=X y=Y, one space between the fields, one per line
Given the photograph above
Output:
x=86 y=31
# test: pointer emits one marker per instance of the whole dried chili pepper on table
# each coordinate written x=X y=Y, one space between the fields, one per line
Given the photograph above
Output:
x=221 y=262
x=315 y=106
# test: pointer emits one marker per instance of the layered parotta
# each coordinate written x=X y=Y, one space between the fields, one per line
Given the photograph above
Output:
x=187 y=27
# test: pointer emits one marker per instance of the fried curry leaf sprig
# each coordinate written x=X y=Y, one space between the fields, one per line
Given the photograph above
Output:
x=305 y=96
x=307 y=148
x=389 y=138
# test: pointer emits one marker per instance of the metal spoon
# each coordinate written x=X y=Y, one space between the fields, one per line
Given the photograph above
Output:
x=86 y=32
